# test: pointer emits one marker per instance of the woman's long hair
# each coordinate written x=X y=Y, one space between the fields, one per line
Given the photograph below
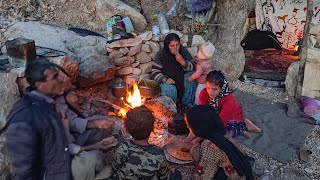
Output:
x=206 y=123
x=170 y=67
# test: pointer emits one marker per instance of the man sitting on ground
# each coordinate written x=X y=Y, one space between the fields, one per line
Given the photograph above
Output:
x=38 y=140
x=87 y=136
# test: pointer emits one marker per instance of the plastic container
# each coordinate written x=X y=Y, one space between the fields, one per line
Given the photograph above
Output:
x=163 y=24
x=310 y=106
x=155 y=30
x=109 y=29
x=128 y=24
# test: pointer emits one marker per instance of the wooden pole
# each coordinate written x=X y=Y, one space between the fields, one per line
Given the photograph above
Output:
x=110 y=103
x=305 y=44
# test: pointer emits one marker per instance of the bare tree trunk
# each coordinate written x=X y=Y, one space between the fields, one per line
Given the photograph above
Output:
x=305 y=45
x=229 y=56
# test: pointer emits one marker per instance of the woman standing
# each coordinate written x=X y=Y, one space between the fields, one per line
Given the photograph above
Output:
x=172 y=68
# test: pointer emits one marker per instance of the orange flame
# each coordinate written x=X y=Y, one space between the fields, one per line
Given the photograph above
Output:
x=134 y=97
x=296 y=48
x=122 y=112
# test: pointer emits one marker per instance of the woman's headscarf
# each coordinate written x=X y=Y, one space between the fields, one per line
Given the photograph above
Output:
x=170 y=67
x=225 y=90
x=205 y=122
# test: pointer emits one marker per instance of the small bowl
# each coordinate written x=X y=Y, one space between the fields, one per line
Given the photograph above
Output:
x=119 y=89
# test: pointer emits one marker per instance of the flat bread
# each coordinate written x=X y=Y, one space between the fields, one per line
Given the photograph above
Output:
x=179 y=153
x=175 y=160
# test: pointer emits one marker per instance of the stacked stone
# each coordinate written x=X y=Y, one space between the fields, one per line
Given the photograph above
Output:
x=134 y=57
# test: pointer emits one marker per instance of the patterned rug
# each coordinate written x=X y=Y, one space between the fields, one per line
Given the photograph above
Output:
x=268 y=62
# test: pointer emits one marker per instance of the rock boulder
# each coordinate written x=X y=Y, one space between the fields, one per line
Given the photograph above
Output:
x=52 y=37
x=85 y=50
x=9 y=94
x=70 y=66
x=95 y=69
x=292 y=78
x=107 y=8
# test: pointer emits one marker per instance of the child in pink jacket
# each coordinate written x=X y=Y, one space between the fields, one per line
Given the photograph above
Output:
x=204 y=66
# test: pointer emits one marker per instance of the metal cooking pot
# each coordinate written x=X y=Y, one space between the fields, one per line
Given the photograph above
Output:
x=119 y=89
x=149 y=88
x=177 y=126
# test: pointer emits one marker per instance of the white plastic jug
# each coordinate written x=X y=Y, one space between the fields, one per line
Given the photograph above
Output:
x=163 y=24
x=129 y=27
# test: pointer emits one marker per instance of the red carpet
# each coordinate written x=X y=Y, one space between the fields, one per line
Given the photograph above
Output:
x=268 y=61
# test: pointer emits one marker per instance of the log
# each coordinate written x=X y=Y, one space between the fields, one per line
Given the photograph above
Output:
x=116 y=107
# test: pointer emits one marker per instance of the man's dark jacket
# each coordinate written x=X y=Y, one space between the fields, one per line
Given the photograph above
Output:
x=36 y=141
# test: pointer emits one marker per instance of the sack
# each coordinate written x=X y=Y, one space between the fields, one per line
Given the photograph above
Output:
x=199 y=5
x=258 y=40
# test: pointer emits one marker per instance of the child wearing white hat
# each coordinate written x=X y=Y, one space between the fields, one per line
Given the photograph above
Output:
x=204 y=66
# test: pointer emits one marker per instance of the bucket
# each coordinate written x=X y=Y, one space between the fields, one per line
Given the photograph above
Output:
x=310 y=106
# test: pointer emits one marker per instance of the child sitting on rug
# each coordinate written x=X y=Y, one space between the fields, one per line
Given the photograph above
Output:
x=219 y=95
x=204 y=66
x=137 y=159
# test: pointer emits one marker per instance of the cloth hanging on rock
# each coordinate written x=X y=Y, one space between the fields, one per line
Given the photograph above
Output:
x=286 y=19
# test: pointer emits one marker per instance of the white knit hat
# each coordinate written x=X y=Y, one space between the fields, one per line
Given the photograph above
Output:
x=206 y=51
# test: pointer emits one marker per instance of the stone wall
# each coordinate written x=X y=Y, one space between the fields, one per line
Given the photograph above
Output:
x=133 y=58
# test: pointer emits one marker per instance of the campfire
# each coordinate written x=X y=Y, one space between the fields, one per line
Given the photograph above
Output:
x=137 y=95
x=132 y=100
x=163 y=108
